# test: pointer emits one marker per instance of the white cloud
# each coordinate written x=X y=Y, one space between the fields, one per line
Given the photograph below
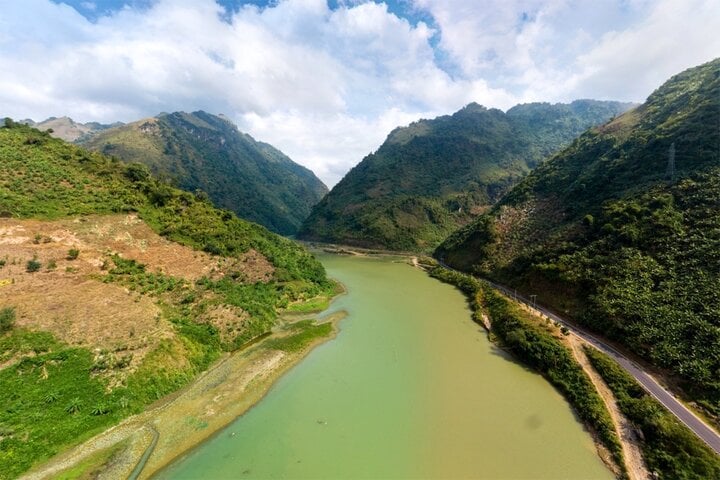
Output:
x=327 y=85
x=560 y=50
x=676 y=35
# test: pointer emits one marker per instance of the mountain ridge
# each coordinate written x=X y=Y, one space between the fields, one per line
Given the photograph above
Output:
x=431 y=177
x=201 y=151
x=620 y=231
x=68 y=129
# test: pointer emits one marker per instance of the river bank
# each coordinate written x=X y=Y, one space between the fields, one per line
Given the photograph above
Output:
x=410 y=389
x=190 y=416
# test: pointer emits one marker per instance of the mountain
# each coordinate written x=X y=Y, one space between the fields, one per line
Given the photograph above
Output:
x=433 y=176
x=67 y=129
x=117 y=289
x=621 y=231
x=200 y=151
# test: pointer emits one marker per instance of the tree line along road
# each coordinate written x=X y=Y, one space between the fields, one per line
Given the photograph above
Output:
x=675 y=406
x=698 y=426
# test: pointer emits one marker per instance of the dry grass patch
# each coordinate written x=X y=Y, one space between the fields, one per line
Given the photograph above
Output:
x=229 y=320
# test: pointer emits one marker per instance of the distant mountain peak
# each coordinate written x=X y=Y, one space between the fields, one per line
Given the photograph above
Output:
x=620 y=230
x=434 y=175
x=203 y=151
x=66 y=128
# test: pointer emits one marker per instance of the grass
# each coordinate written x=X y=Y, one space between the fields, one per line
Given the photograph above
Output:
x=92 y=466
x=314 y=305
x=307 y=332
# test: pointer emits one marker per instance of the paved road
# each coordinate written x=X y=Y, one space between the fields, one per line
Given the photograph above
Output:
x=677 y=408
x=693 y=422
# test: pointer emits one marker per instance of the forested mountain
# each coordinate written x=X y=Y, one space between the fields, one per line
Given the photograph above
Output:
x=207 y=152
x=117 y=289
x=433 y=176
x=621 y=231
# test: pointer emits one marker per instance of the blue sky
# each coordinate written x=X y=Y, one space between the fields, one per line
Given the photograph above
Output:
x=326 y=81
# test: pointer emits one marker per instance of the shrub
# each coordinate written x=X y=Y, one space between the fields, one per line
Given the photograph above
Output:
x=74 y=405
x=7 y=319
x=51 y=397
x=33 y=265
x=73 y=253
x=100 y=409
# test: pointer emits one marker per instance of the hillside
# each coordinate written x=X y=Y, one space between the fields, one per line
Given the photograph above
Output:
x=200 y=151
x=610 y=232
x=67 y=129
x=117 y=289
x=433 y=176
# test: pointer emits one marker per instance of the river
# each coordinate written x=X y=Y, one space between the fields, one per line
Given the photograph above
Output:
x=410 y=388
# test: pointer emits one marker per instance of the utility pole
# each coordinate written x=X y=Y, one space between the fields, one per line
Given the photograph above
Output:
x=670 y=171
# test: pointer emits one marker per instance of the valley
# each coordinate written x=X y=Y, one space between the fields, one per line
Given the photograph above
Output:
x=519 y=281
x=410 y=387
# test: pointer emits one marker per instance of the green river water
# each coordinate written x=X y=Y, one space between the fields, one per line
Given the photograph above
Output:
x=410 y=388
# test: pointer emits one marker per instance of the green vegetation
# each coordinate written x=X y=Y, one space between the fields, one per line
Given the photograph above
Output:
x=204 y=152
x=46 y=178
x=310 y=306
x=7 y=319
x=73 y=254
x=92 y=467
x=433 y=176
x=619 y=243
x=538 y=347
x=307 y=332
x=669 y=448
x=51 y=401
x=55 y=395
x=33 y=265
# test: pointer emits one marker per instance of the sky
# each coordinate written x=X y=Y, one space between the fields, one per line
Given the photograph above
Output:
x=325 y=81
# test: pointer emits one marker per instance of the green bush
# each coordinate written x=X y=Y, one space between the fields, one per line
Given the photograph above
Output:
x=33 y=265
x=7 y=319
x=73 y=254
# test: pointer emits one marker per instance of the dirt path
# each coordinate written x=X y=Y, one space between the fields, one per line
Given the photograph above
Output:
x=625 y=431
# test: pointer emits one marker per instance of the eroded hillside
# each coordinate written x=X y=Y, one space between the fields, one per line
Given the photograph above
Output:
x=116 y=289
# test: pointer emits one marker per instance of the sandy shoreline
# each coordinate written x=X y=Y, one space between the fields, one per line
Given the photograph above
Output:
x=190 y=416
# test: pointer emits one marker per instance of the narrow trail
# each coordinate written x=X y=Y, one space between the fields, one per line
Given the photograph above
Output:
x=187 y=417
x=626 y=433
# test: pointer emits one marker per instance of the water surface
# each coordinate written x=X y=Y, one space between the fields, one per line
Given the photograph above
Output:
x=410 y=388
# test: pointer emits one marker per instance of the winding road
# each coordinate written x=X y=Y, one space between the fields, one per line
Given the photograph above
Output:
x=690 y=419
